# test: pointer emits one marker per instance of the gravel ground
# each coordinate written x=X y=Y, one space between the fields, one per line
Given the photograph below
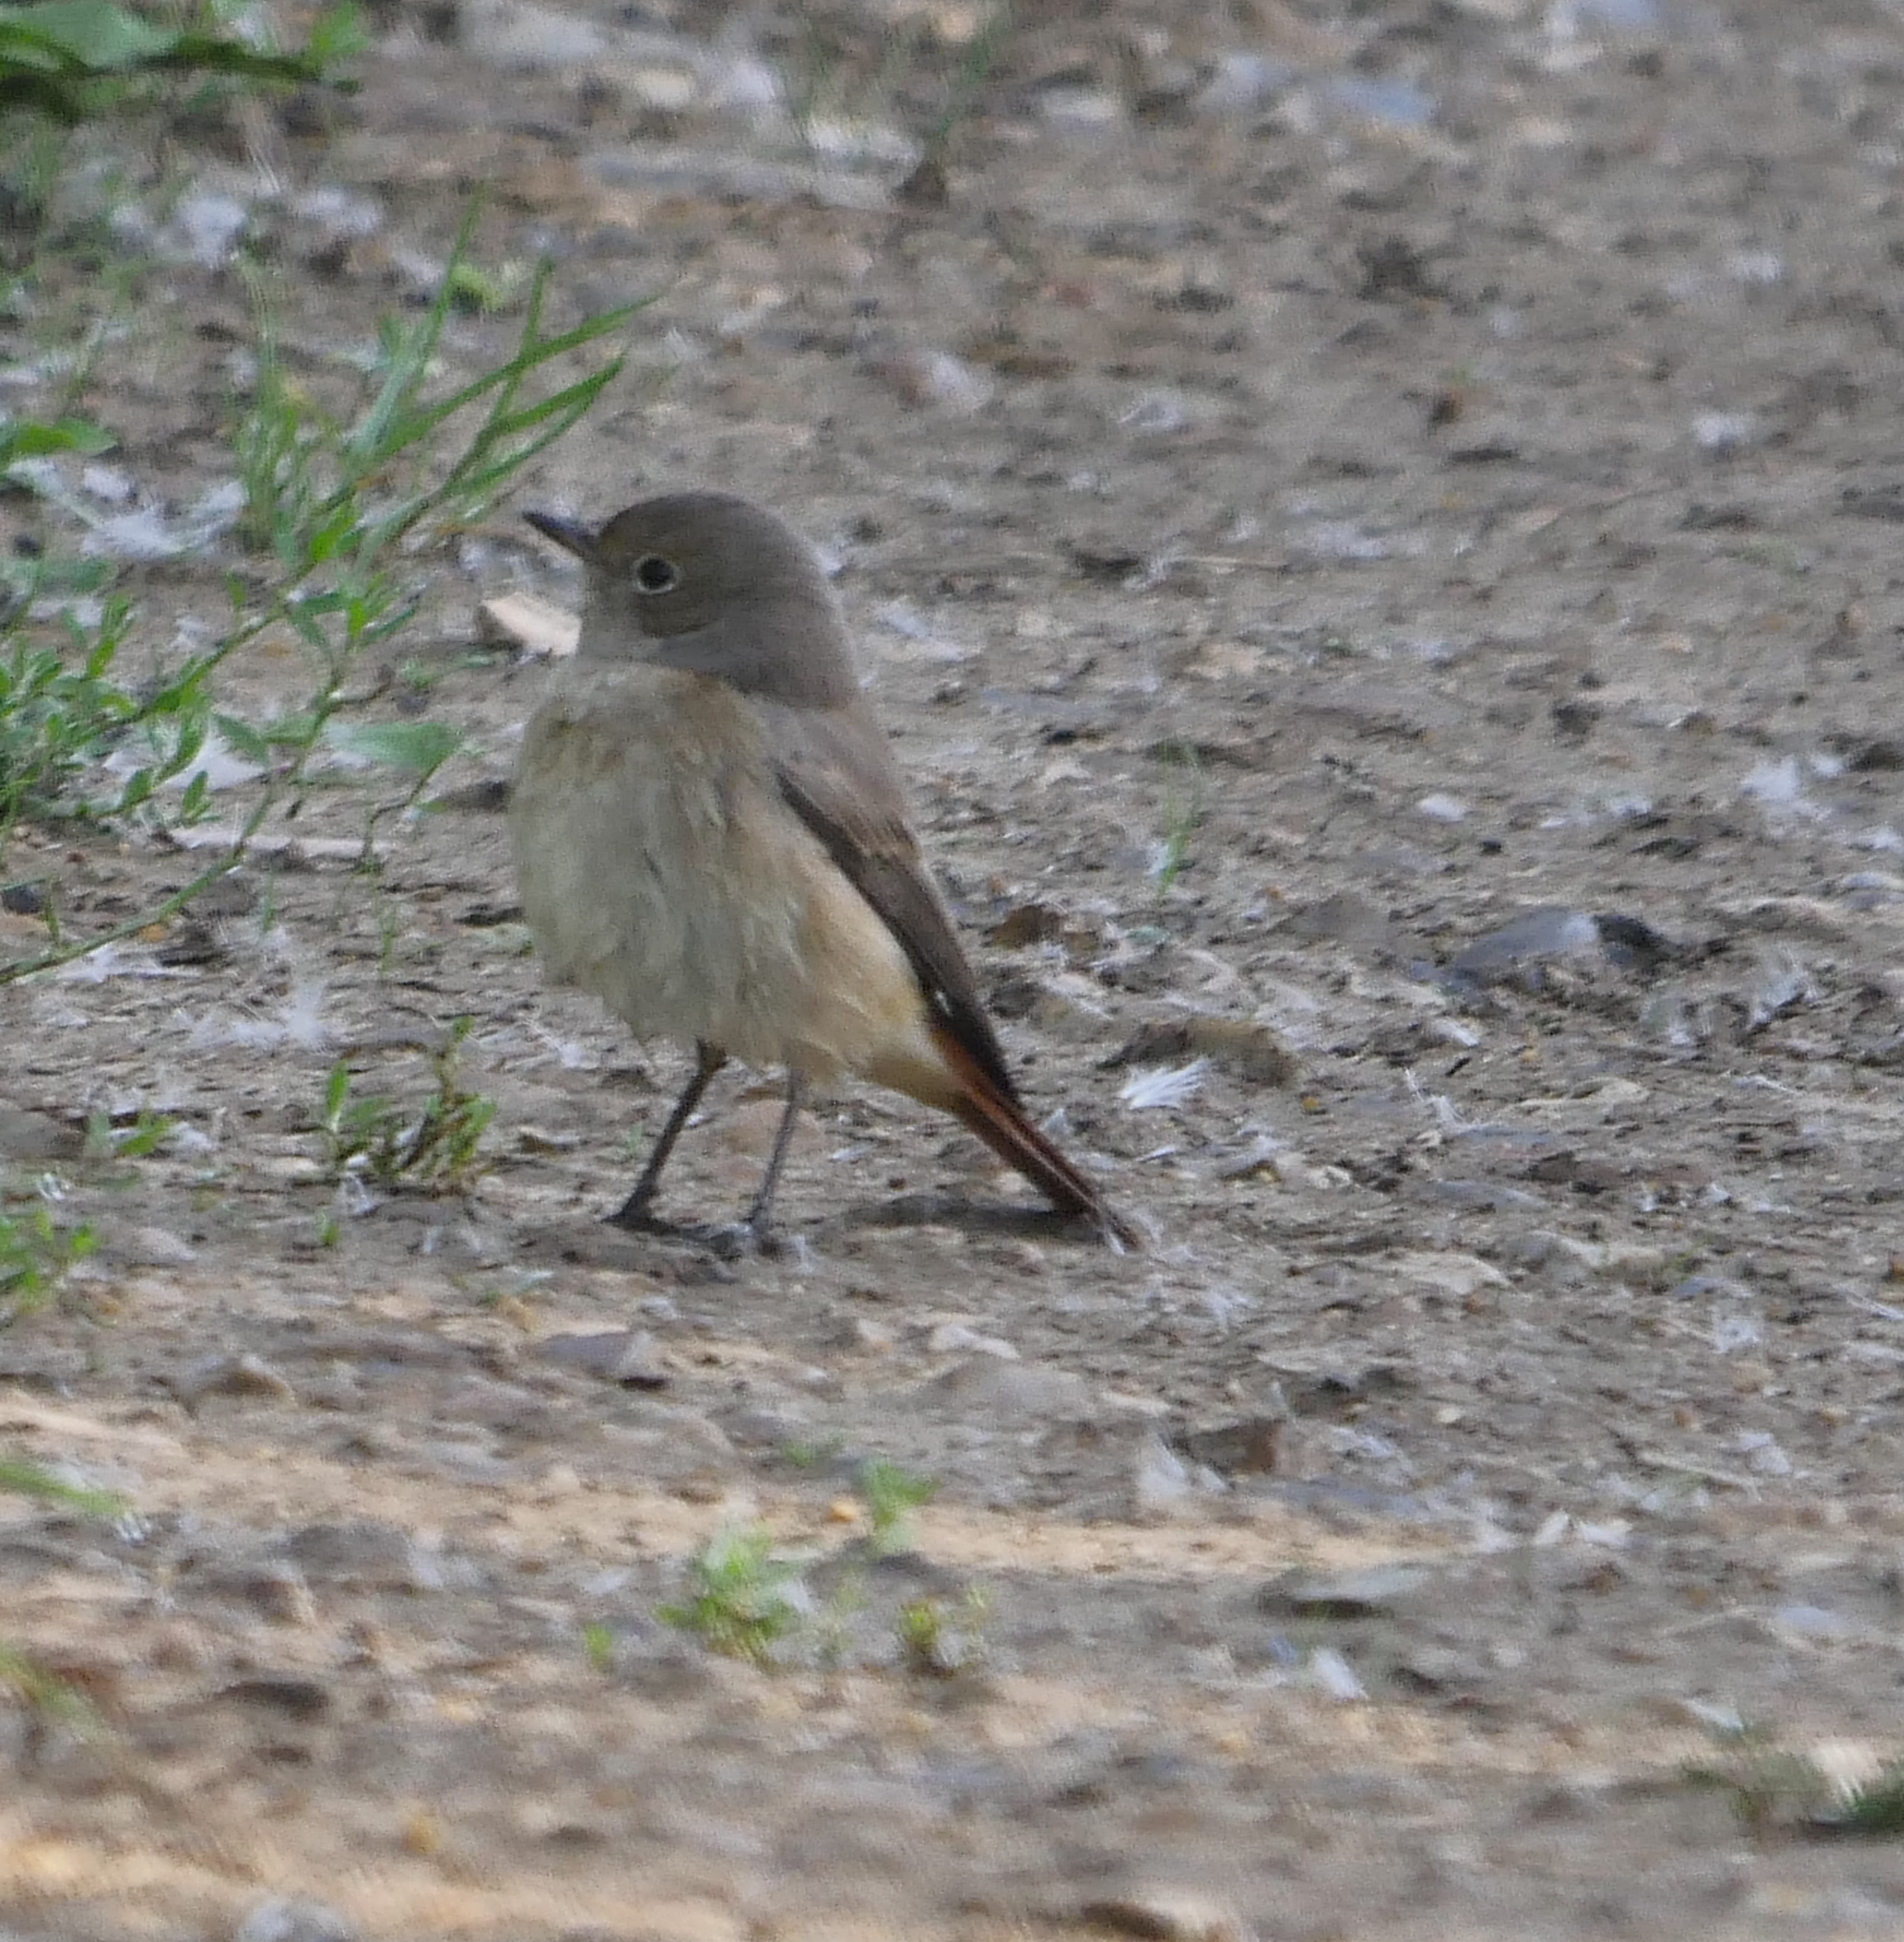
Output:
x=1375 y=534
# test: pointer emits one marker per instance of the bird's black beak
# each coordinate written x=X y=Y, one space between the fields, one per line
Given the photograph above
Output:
x=570 y=534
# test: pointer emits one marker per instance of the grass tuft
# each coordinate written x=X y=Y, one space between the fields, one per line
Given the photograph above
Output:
x=892 y=1494
x=1772 y=1790
x=941 y=1640
x=36 y=1253
x=436 y=1147
x=21 y=1477
x=742 y=1601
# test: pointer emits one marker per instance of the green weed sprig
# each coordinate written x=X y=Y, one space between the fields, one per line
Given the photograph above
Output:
x=338 y=505
x=437 y=1147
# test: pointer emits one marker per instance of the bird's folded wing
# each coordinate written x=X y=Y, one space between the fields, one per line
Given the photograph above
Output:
x=836 y=772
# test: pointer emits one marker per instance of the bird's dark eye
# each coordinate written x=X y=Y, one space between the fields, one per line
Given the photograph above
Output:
x=653 y=574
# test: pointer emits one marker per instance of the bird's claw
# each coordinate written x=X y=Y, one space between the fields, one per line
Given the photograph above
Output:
x=633 y=1220
x=728 y=1241
x=740 y=1239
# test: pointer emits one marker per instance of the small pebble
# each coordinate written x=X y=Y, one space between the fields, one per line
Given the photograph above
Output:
x=632 y=1357
x=1166 y=1915
x=1000 y=1394
x=278 y=1920
x=157 y=1247
x=1334 y=1675
x=529 y=625
x=952 y=1338
x=1345 y=1595
x=1722 y=432
x=280 y=1593
x=521 y=38
x=245 y=1375
x=365 y=1555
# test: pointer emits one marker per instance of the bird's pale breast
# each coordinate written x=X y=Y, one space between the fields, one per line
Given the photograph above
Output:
x=662 y=870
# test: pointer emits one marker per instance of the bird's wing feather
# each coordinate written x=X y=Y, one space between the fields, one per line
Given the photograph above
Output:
x=835 y=771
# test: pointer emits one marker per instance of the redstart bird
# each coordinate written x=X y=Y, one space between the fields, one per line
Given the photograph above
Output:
x=712 y=839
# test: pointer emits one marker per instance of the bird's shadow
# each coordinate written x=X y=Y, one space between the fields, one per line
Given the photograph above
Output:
x=601 y=1244
x=991 y=1222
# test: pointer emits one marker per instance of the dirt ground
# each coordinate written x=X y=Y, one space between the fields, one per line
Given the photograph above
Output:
x=1375 y=532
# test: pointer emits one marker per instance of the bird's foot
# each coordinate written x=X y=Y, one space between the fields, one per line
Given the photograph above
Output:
x=752 y=1239
x=739 y=1240
x=632 y=1218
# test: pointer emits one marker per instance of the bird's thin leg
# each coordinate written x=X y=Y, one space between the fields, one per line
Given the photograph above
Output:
x=760 y=1218
x=633 y=1212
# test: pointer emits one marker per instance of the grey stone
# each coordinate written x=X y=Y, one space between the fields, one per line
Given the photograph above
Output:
x=26 y=1136
x=1004 y=1393
x=630 y=1356
x=277 y=1920
x=1342 y=1594
x=365 y=1555
x=245 y=1375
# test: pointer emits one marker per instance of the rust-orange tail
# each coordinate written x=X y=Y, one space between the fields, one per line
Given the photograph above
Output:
x=1002 y=1125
